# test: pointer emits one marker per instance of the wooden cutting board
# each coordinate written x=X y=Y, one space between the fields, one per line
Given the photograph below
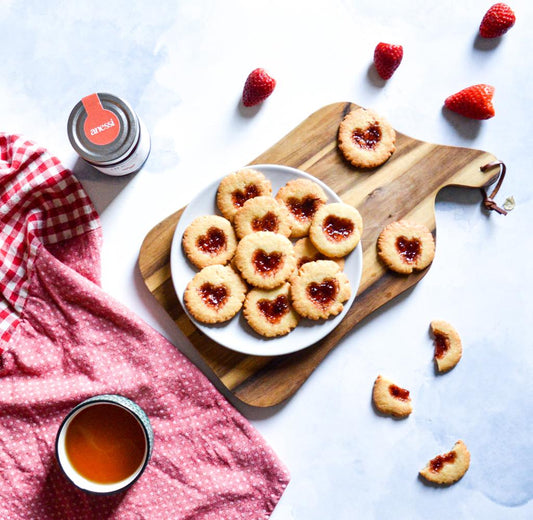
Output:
x=404 y=187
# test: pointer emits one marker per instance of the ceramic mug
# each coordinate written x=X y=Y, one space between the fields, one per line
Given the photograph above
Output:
x=104 y=444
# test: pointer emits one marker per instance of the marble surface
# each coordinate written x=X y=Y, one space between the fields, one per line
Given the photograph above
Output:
x=182 y=66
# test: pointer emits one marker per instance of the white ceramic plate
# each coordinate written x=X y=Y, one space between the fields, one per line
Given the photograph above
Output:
x=236 y=334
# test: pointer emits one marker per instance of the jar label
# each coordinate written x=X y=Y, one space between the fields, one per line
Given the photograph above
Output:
x=101 y=126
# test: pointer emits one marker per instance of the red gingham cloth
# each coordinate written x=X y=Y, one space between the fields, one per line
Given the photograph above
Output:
x=67 y=340
x=40 y=203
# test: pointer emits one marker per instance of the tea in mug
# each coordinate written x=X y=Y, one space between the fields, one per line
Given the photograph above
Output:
x=105 y=443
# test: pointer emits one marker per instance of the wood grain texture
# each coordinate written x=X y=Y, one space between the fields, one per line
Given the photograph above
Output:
x=404 y=187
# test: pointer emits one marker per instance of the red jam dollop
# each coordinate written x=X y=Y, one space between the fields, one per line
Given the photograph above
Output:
x=268 y=222
x=266 y=263
x=323 y=293
x=409 y=249
x=239 y=197
x=442 y=344
x=439 y=461
x=337 y=228
x=399 y=393
x=303 y=209
x=213 y=295
x=274 y=310
x=212 y=242
x=368 y=138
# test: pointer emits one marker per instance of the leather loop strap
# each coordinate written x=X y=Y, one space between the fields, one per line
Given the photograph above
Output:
x=488 y=200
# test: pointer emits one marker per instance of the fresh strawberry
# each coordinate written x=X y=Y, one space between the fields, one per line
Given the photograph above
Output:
x=387 y=58
x=259 y=85
x=474 y=102
x=497 y=21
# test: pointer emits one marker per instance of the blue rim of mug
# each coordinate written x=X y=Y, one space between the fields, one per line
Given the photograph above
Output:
x=141 y=417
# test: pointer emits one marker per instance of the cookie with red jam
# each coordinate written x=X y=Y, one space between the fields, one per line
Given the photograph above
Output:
x=319 y=289
x=449 y=467
x=391 y=399
x=215 y=294
x=365 y=138
x=336 y=229
x=448 y=345
x=238 y=187
x=262 y=213
x=265 y=259
x=269 y=311
x=209 y=240
x=302 y=198
x=405 y=247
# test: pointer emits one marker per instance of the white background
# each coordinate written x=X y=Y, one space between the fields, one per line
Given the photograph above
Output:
x=182 y=65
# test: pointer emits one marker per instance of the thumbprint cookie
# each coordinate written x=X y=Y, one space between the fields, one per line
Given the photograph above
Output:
x=405 y=247
x=215 y=294
x=208 y=240
x=265 y=259
x=269 y=311
x=262 y=214
x=336 y=229
x=448 y=467
x=448 y=346
x=238 y=187
x=390 y=399
x=319 y=290
x=302 y=197
x=305 y=252
x=366 y=139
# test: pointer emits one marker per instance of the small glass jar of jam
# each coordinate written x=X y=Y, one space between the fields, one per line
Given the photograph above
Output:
x=107 y=133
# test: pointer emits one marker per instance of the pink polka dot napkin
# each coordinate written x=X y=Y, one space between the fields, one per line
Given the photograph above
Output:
x=64 y=339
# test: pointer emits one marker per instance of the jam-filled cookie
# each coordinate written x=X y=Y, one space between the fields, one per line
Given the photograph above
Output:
x=448 y=346
x=336 y=229
x=319 y=289
x=366 y=139
x=305 y=252
x=269 y=311
x=209 y=240
x=265 y=259
x=405 y=246
x=449 y=467
x=391 y=399
x=302 y=197
x=262 y=214
x=215 y=294
x=238 y=187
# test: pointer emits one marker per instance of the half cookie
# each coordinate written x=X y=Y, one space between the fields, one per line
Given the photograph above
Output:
x=448 y=346
x=391 y=399
x=449 y=467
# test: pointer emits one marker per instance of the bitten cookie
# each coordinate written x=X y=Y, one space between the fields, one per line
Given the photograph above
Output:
x=237 y=187
x=305 y=251
x=366 y=139
x=448 y=346
x=209 y=240
x=390 y=398
x=319 y=289
x=215 y=294
x=336 y=229
x=405 y=246
x=269 y=312
x=265 y=259
x=302 y=197
x=262 y=214
x=449 y=467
